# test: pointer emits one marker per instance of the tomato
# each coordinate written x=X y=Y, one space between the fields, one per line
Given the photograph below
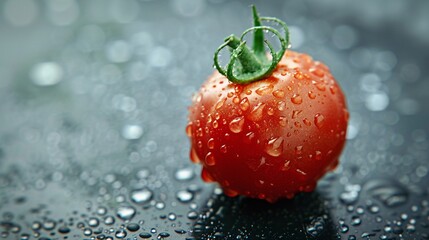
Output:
x=270 y=138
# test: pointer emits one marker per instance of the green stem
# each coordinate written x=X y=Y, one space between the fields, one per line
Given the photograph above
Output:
x=253 y=64
x=248 y=60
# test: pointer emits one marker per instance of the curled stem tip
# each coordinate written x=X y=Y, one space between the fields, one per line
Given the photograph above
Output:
x=248 y=65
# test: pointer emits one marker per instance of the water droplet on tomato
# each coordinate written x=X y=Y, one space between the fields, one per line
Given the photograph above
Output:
x=264 y=90
x=311 y=95
x=257 y=112
x=215 y=124
x=199 y=132
x=297 y=124
x=236 y=100
x=279 y=93
x=200 y=144
x=306 y=122
x=249 y=137
x=298 y=76
x=298 y=150
x=220 y=103
x=194 y=157
x=236 y=125
x=321 y=86
x=319 y=120
x=210 y=159
x=230 y=94
x=223 y=149
x=282 y=121
x=332 y=89
x=318 y=72
x=210 y=143
x=295 y=113
x=275 y=147
x=244 y=104
x=286 y=165
x=270 y=111
x=318 y=155
x=248 y=92
x=296 y=99
x=281 y=105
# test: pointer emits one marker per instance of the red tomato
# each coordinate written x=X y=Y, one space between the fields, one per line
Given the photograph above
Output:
x=271 y=138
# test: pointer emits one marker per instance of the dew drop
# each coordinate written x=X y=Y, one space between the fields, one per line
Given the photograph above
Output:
x=223 y=149
x=249 y=137
x=236 y=125
x=141 y=196
x=184 y=174
x=318 y=155
x=210 y=159
x=390 y=192
x=321 y=86
x=298 y=150
x=215 y=124
x=257 y=112
x=319 y=120
x=270 y=111
x=332 y=89
x=210 y=143
x=275 y=147
x=298 y=76
x=282 y=121
x=295 y=113
x=281 y=105
x=244 y=104
x=220 y=103
x=125 y=212
x=134 y=132
x=121 y=233
x=279 y=93
x=264 y=90
x=311 y=95
x=306 y=122
x=318 y=72
x=184 y=196
x=296 y=99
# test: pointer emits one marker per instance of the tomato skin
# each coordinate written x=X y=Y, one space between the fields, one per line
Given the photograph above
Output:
x=272 y=138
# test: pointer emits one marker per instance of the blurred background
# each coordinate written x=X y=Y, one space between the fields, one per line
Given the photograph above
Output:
x=93 y=107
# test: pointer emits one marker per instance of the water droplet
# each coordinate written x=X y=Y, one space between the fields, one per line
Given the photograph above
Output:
x=296 y=113
x=172 y=216
x=184 y=196
x=316 y=227
x=220 y=103
x=184 y=174
x=321 y=86
x=356 y=221
x=93 y=222
x=133 y=227
x=318 y=155
x=332 y=89
x=281 y=105
x=189 y=129
x=298 y=150
x=319 y=120
x=279 y=93
x=264 y=90
x=275 y=147
x=121 y=233
x=257 y=112
x=296 y=99
x=210 y=143
x=282 y=121
x=350 y=195
x=163 y=235
x=192 y=215
x=311 y=95
x=125 y=212
x=244 y=104
x=46 y=74
x=141 y=196
x=318 y=72
x=306 y=122
x=133 y=132
x=210 y=159
x=215 y=124
x=390 y=192
x=298 y=76
x=236 y=125
x=223 y=149
x=109 y=220
x=145 y=235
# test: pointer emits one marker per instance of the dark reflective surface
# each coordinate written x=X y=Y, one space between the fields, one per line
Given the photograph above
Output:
x=93 y=106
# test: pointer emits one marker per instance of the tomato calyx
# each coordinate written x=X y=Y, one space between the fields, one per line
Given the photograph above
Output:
x=249 y=65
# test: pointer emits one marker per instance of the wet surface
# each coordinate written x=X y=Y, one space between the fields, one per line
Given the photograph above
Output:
x=93 y=103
